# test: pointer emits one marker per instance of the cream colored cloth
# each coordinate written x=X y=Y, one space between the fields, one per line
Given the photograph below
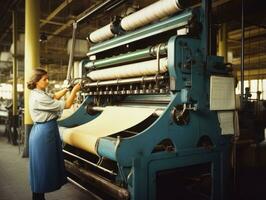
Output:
x=145 y=68
x=151 y=13
x=101 y=34
x=68 y=112
x=112 y=120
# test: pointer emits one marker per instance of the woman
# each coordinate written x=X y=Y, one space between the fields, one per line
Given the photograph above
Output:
x=47 y=172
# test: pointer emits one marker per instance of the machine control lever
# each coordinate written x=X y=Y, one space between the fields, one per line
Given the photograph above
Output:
x=180 y=113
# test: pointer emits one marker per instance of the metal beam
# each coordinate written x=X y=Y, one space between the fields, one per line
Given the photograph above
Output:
x=253 y=73
x=91 y=10
x=55 y=12
x=250 y=32
x=59 y=30
x=257 y=45
x=51 y=22
x=255 y=59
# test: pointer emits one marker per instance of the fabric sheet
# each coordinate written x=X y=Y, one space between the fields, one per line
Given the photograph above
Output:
x=113 y=119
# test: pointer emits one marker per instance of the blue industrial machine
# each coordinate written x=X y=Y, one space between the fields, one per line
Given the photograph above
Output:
x=156 y=59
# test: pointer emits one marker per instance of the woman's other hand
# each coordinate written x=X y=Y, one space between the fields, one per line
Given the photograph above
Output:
x=77 y=87
x=72 y=96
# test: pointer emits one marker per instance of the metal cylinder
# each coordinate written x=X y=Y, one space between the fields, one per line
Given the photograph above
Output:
x=131 y=70
x=101 y=34
x=149 y=52
x=153 y=12
x=97 y=181
x=125 y=81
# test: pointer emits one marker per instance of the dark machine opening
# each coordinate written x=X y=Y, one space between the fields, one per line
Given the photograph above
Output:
x=192 y=182
x=137 y=128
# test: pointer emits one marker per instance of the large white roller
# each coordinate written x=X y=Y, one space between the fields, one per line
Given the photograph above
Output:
x=151 y=13
x=101 y=34
x=140 y=18
x=131 y=70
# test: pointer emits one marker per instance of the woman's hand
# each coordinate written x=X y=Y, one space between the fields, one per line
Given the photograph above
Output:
x=77 y=87
x=72 y=95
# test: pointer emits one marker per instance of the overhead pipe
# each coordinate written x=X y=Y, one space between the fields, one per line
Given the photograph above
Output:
x=97 y=9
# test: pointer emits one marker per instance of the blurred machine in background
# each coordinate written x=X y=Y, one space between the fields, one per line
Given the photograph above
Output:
x=157 y=108
x=252 y=118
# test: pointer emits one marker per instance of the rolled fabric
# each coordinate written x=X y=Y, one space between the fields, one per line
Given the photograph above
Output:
x=131 y=70
x=112 y=120
x=101 y=34
x=151 y=13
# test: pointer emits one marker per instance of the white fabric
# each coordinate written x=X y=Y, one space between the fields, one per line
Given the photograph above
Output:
x=112 y=120
x=101 y=34
x=149 y=14
x=131 y=70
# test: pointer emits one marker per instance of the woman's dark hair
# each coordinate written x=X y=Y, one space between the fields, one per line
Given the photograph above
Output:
x=38 y=73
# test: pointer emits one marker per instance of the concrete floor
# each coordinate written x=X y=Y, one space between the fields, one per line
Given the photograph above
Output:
x=14 y=183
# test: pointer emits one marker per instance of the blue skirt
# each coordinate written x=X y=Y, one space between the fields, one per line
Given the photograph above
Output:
x=46 y=170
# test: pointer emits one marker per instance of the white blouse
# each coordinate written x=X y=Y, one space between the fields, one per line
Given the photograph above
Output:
x=43 y=107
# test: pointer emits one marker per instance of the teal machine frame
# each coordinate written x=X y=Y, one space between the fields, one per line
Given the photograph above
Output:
x=186 y=132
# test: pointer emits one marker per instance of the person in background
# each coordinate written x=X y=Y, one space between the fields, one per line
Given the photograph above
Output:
x=46 y=164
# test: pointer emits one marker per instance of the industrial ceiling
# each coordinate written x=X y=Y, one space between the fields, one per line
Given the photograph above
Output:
x=57 y=16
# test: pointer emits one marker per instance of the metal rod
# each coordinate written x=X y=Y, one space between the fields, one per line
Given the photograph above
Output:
x=96 y=197
x=242 y=51
x=94 y=10
x=97 y=181
x=91 y=163
x=71 y=55
x=55 y=12
x=149 y=52
x=124 y=81
x=158 y=63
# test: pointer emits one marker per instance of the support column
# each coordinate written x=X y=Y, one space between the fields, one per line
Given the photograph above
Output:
x=32 y=58
x=222 y=42
x=14 y=121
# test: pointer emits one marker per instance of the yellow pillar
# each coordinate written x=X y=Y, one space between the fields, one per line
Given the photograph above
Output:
x=32 y=57
x=222 y=42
